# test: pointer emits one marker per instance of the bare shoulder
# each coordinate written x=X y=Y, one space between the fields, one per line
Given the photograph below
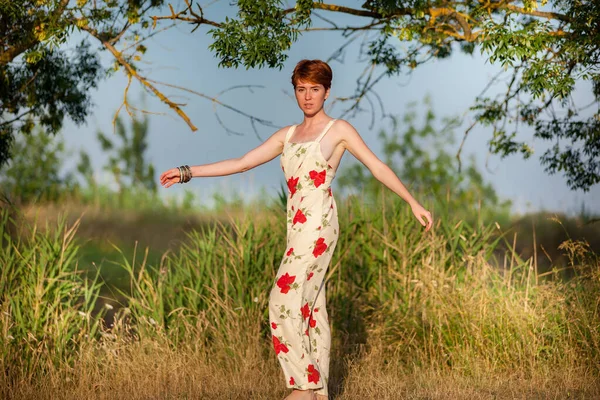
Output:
x=279 y=135
x=346 y=133
x=343 y=124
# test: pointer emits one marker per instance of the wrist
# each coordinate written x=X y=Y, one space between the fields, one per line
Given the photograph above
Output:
x=413 y=203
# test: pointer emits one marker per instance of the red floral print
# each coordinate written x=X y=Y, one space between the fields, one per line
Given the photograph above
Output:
x=292 y=185
x=285 y=281
x=292 y=382
x=309 y=276
x=299 y=217
x=290 y=251
x=318 y=177
x=320 y=247
x=313 y=374
x=312 y=322
x=306 y=332
x=279 y=347
x=329 y=190
x=273 y=325
x=305 y=311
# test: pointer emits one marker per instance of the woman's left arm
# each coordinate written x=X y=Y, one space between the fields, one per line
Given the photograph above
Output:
x=384 y=174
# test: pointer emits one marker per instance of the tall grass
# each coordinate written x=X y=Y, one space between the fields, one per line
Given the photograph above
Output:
x=46 y=306
x=402 y=304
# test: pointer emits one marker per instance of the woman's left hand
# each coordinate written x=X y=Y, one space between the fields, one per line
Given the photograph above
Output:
x=422 y=215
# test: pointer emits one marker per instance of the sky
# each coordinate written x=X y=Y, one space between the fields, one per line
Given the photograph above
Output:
x=181 y=58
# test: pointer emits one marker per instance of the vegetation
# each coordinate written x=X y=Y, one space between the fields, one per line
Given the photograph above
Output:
x=419 y=156
x=430 y=315
x=545 y=48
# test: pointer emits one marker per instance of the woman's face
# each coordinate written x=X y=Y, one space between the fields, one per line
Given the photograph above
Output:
x=310 y=96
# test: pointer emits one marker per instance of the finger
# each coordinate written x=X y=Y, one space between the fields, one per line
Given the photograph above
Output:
x=428 y=224
x=420 y=218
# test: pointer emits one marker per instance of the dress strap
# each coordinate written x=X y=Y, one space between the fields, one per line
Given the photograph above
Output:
x=325 y=130
x=289 y=133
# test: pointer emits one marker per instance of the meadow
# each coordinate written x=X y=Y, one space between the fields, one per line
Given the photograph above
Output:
x=102 y=302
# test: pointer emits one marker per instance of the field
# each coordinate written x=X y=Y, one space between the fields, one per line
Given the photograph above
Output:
x=104 y=303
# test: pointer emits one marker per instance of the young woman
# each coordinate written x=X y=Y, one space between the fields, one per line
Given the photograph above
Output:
x=310 y=155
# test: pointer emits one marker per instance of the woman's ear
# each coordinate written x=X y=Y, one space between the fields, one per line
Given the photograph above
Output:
x=327 y=93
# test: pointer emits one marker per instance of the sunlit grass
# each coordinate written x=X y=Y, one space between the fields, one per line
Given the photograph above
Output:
x=439 y=315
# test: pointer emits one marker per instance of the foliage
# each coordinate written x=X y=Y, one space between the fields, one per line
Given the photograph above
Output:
x=34 y=172
x=420 y=157
x=260 y=35
x=545 y=47
x=40 y=83
x=44 y=92
x=128 y=162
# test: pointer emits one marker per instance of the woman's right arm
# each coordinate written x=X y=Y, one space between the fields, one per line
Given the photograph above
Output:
x=267 y=151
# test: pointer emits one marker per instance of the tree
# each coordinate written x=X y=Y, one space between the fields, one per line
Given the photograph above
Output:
x=41 y=84
x=544 y=51
x=544 y=47
x=420 y=156
x=128 y=162
x=34 y=172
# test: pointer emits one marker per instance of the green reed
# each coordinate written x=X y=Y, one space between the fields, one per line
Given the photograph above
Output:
x=46 y=306
x=445 y=299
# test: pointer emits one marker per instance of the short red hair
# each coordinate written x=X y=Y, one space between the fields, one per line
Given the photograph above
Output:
x=314 y=71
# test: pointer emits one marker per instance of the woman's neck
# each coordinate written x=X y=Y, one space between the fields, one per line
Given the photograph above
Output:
x=315 y=119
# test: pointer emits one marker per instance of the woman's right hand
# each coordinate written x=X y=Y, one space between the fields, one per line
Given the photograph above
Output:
x=169 y=177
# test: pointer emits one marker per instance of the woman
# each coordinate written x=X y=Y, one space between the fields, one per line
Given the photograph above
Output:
x=310 y=154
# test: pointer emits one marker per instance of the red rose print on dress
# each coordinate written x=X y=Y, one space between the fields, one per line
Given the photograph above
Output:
x=299 y=217
x=312 y=322
x=285 y=281
x=279 y=347
x=290 y=251
x=305 y=311
x=329 y=190
x=313 y=374
x=320 y=247
x=292 y=185
x=310 y=276
x=292 y=382
x=273 y=325
x=318 y=177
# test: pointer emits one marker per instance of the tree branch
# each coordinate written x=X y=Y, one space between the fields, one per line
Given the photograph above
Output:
x=141 y=79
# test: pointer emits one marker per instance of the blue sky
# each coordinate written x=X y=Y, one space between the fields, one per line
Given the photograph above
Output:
x=182 y=58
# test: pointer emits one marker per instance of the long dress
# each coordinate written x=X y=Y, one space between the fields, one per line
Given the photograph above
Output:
x=299 y=323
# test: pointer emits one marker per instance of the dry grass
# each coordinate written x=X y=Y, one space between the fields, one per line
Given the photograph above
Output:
x=153 y=371
x=412 y=317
